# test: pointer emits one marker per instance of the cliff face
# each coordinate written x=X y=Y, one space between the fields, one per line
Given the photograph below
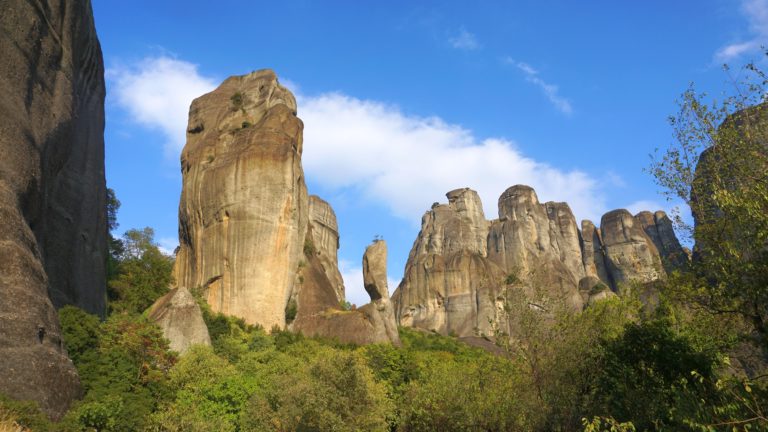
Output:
x=460 y=263
x=243 y=213
x=52 y=191
x=250 y=236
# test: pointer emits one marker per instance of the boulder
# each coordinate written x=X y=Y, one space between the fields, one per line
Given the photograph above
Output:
x=179 y=316
x=53 y=241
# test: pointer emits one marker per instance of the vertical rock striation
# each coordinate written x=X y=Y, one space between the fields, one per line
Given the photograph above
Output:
x=251 y=238
x=325 y=241
x=52 y=191
x=460 y=263
x=243 y=213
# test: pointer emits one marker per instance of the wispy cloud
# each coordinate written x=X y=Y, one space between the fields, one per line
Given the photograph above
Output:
x=756 y=13
x=551 y=91
x=464 y=40
x=369 y=149
x=378 y=153
x=156 y=93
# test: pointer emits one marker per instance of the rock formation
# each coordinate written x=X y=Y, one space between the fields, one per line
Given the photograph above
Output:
x=250 y=236
x=320 y=314
x=179 y=316
x=52 y=191
x=325 y=241
x=460 y=262
x=243 y=213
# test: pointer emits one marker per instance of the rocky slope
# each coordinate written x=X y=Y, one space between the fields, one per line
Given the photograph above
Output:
x=52 y=191
x=251 y=238
x=460 y=262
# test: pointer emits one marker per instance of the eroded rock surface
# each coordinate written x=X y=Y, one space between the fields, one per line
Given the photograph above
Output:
x=320 y=314
x=460 y=263
x=325 y=241
x=251 y=238
x=243 y=213
x=53 y=239
x=179 y=316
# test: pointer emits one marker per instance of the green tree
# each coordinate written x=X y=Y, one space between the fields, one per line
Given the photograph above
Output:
x=143 y=273
x=718 y=166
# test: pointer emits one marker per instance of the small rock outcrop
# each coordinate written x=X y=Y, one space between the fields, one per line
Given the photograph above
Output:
x=53 y=241
x=251 y=238
x=460 y=263
x=179 y=316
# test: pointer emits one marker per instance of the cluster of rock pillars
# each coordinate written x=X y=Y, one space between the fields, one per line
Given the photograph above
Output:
x=253 y=242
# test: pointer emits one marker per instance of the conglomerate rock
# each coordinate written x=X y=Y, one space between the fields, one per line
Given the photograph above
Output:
x=251 y=239
x=325 y=241
x=53 y=241
x=320 y=314
x=179 y=316
x=243 y=213
x=460 y=264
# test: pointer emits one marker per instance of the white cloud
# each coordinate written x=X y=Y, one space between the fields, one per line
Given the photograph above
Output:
x=551 y=91
x=643 y=205
x=156 y=92
x=464 y=41
x=405 y=163
x=756 y=13
x=368 y=149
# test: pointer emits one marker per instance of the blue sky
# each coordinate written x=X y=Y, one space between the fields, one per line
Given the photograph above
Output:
x=403 y=101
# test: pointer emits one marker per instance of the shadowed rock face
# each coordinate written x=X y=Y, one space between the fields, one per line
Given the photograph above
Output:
x=52 y=191
x=243 y=213
x=459 y=263
x=179 y=316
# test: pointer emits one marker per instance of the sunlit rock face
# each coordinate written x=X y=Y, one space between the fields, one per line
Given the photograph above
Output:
x=243 y=212
x=461 y=263
x=320 y=314
x=179 y=317
x=251 y=239
x=53 y=241
x=325 y=241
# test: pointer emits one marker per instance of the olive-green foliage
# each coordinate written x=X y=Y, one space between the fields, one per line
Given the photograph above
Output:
x=22 y=413
x=142 y=274
x=80 y=331
x=649 y=377
x=124 y=374
x=489 y=393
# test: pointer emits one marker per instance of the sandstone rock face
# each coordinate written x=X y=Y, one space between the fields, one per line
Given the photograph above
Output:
x=243 y=213
x=658 y=227
x=319 y=312
x=250 y=236
x=179 y=316
x=53 y=239
x=460 y=263
x=325 y=240
x=629 y=253
x=449 y=283
x=375 y=270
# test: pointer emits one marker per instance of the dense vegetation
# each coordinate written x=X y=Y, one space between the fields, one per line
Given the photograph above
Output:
x=693 y=358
